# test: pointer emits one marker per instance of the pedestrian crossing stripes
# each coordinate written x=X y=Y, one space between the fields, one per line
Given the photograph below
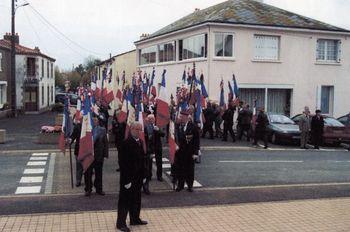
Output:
x=166 y=168
x=33 y=175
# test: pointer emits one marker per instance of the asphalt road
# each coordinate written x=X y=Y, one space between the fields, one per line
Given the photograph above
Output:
x=261 y=168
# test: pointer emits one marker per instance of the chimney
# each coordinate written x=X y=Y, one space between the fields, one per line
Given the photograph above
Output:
x=37 y=49
x=8 y=36
x=261 y=1
x=196 y=9
x=144 y=36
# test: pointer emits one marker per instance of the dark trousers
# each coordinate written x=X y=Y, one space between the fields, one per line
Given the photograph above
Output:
x=78 y=170
x=148 y=171
x=260 y=135
x=187 y=176
x=159 y=164
x=97 y=167
x=242 y=129
x=129 y=201
x=228 y=128
x=317 y=139
x=208 y=127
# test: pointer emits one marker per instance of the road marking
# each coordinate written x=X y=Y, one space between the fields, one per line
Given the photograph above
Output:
x=28 y=190
x=261 y=161
x=40 y=154
x=34 y=171
x=166 y=165
x=165 y=160
x=168 y=173
x=339 y=161
x=31 y=179
x=49 y=179
x=277 y=186
x=36 y=158
x=36 y=163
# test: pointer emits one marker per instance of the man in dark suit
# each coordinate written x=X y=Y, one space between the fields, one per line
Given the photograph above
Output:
x=131 y=179
x=261 y=124
x=75 y=137
x=228 y=121
x=187 y=137
x=317 y=125
x=153 y=137
x=100 y=153
x=118 y=130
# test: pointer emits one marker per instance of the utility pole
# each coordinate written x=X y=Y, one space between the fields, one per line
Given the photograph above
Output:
x=13 y=61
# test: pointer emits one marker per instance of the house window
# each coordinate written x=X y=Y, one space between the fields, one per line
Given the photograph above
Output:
x=0 y=62
x=223 y=45
x=166 y=52
x=31 y=67
x=266 y=47
x=42 y=95
x=42 y=68
x=148 y=55
x=48 y=69
x=193 y=47
x=51 y=70
x=327 y=99
x=328 y=50
x=51 y=93
x=2 y=94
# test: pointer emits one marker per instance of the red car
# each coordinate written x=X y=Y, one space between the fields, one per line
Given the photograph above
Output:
x=334 y=132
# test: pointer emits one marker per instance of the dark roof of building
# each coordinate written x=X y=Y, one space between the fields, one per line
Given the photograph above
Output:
x=21 y=50
x=247 y=12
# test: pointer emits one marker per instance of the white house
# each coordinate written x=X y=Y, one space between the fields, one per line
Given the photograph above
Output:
x=285 y=60
x=35 y=78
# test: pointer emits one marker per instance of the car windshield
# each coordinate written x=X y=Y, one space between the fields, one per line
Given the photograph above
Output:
x=332 y=122
x=280 y=119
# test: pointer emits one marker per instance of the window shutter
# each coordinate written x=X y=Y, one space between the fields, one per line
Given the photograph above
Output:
x=339 y=51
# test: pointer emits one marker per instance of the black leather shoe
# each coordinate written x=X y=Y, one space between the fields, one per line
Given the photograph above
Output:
x=123 y=228
x=190 y=190
x=78 y=184
x=147 y=192
x=160 y=179
x=178 y=189
x=138 y=223
x=102 y=193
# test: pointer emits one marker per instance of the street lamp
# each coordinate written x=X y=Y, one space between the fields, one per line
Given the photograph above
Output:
x=13 y=57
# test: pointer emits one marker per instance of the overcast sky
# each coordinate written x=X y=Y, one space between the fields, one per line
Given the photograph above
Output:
x=115 y=25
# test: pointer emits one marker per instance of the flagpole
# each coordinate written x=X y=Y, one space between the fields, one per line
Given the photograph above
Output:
x=71 y=166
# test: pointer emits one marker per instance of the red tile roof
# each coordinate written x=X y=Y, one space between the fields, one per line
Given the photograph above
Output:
x=21 y=50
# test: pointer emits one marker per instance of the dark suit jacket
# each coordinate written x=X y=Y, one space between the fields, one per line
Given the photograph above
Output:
x=131 y=162
x=154 y=144
x=317 y=125
x=100 y=144
x=75 y=137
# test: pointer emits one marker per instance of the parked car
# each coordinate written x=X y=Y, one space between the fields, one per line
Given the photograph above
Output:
x=345 y=119
x=73 y=98
x=282 y=129
x=334 y=131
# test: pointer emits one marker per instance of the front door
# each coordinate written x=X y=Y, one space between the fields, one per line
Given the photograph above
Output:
x=31 y=99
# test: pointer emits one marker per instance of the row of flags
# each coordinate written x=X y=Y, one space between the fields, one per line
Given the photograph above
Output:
x=133 y=98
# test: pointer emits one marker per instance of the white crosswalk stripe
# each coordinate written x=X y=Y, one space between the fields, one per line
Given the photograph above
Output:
x=40 y=154
x=36 y=163
x=31 y=179
x=38 y=158
x=34 y=171
x=28 y=190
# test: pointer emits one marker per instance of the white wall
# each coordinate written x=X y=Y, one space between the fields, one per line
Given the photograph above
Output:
x=296 y=68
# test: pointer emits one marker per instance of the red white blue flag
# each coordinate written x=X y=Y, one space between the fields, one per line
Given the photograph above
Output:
x=163 y=114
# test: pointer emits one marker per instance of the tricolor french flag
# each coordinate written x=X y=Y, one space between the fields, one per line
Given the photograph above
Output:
x=163 y=114
x=172 y=142
x=222 y=95
x=86 y=148
x=107 y=91
x=140 y=119
x=131 y=113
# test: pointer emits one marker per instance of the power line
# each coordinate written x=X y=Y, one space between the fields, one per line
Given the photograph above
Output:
x=66 y=37
x=65 y=42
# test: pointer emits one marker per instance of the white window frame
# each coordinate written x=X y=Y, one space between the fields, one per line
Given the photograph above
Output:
x=0 y=61
x=3 y=93
x=190 y=40
x=163 y=44
x=325 y=54
x=146 y=49
x=223 y=45
x=264 y=57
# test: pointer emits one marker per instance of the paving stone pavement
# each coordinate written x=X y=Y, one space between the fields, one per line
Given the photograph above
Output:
x=307 y=215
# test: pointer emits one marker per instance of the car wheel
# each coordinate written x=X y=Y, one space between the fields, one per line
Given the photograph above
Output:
x=274 y=138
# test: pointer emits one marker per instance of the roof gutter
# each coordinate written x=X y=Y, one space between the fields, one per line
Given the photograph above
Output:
x=242 y=25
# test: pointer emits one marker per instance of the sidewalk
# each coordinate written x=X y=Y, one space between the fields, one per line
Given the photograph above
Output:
x=307 y=215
